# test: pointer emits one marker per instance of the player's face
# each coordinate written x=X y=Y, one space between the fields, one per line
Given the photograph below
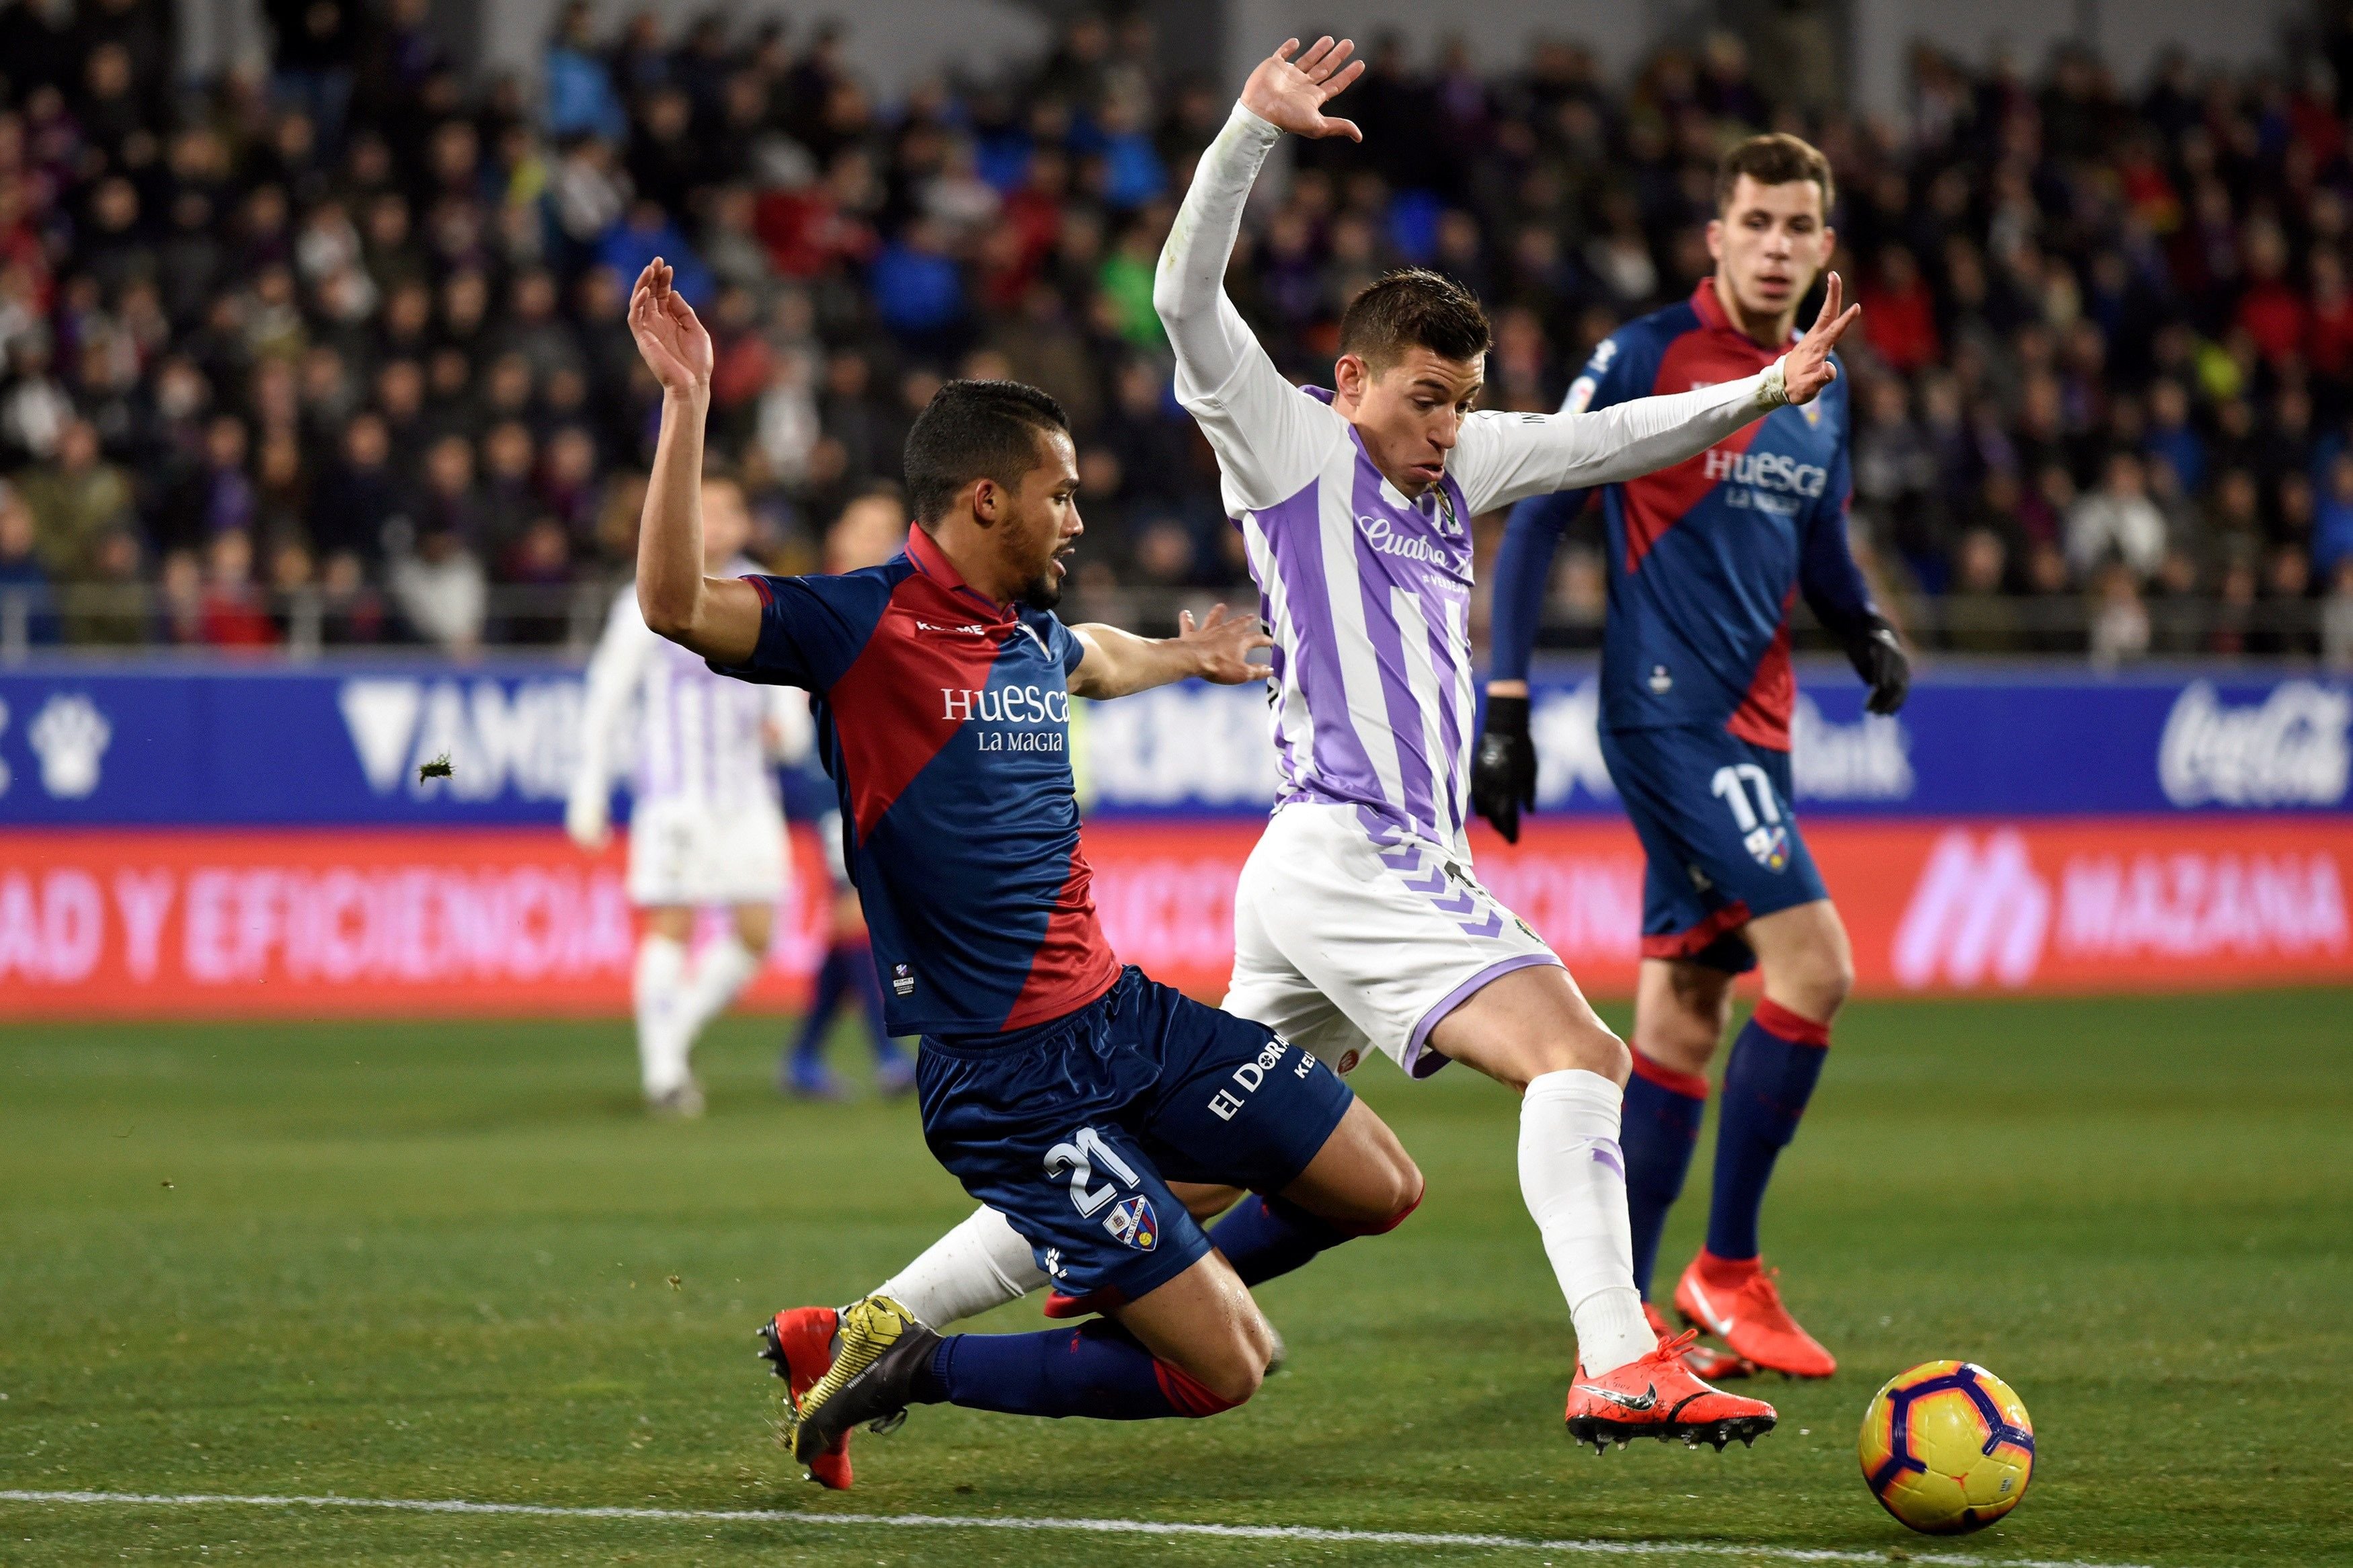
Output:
x=1770 y=244
x=1039 y=528
x=1410 y=413
x=726 y=523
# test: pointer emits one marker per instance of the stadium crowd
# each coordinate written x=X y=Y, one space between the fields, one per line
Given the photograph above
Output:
x=334 y=353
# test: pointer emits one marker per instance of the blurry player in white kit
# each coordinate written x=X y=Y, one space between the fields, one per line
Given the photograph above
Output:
x=705 y=825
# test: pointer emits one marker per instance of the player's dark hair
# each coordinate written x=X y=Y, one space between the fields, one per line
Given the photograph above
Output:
x=1414 y=308
x=975 y=430
x=1776 y=159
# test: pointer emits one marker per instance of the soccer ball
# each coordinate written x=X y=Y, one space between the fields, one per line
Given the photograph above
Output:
x=1946 y=1447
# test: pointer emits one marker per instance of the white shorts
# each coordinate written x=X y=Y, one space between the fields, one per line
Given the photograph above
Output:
x=683 y=852
x=1343 y=941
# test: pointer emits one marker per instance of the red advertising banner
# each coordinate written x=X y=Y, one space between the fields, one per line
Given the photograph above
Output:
x=122 y=924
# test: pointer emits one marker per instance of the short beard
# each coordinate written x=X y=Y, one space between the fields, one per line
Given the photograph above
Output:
x=1044 y=594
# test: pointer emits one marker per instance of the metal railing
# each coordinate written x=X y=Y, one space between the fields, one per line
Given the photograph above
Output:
x=310 y=623
x=102 y=620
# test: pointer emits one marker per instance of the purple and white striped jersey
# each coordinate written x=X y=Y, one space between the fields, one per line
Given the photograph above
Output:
x=1368 y=595
x=681 y=732
x=1366 y=591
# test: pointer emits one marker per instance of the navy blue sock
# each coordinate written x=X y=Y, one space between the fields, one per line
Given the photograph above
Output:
x=832 y=984
x=1767 y=1084
x=859 y=962
x=1263 y=1237
x=1657 y=1132
x=1096 y=1369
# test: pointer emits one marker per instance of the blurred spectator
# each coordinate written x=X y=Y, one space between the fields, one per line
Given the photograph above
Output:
x=232 y=613
x=2288 y=626
x=216 y=494
x=109 y=603
x=2337 y=619
x=2332 y=532
x=28 y=607
x=442 y=591
x=2119 y=619
x=580 y=101
x=2116 y=520
x=74 y=499
x=1979 y=615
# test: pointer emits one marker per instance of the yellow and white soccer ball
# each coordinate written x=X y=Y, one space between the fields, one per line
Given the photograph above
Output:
x=1946 y=1447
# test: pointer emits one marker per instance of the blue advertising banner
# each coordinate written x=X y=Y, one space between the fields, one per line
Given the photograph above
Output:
x=159 y=742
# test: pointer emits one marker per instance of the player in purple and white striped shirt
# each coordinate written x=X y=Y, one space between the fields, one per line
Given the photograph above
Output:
x=1358 y=922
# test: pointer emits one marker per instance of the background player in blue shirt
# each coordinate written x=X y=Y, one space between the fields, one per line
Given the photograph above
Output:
x=1061 y=1090
x=1705 y=560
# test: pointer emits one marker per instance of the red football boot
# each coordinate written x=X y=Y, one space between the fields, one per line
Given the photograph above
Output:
x=799 y=1342
x=1739 y=1304
x=1658 y=1396
x=1706 y=1362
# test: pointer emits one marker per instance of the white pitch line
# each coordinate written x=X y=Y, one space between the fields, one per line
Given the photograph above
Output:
x=1085 y=1526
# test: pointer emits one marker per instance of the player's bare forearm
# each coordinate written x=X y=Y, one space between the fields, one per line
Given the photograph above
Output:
x=718 y=617
x=1117 y=663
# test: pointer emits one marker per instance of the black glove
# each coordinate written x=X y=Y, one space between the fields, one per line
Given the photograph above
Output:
x=1878 y=655
x=1504 y=770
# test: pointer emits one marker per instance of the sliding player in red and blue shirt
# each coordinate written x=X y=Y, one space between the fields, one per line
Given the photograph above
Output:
x=1064 y=1091
x=1705 y=560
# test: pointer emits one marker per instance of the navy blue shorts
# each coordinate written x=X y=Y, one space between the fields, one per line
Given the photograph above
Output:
x=1072 y=1130
x=1714 y=814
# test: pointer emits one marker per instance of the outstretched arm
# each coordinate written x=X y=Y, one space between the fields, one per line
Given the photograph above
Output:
x=1117 y=662
x=718 y=617
x=1504 y=457
x=1262 y=429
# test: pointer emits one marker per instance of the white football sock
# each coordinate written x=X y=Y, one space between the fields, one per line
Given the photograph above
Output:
x=1573 y=1177
x=661 y=1044
x=980 y=1264
x=725 y=967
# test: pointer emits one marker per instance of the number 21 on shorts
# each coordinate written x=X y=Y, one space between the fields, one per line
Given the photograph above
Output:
x=1132 y=1222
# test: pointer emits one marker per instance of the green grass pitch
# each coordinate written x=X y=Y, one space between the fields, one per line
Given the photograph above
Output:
x=455 y=1261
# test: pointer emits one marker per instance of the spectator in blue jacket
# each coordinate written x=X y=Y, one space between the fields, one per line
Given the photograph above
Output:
x=580 y=96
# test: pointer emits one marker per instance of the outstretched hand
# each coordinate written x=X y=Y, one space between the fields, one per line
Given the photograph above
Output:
x=1806 y=368
x=1223 y=643
x=1291 y=95
x=675 y=346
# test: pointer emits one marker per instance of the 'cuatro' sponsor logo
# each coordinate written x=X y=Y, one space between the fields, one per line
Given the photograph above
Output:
x=1387 y=539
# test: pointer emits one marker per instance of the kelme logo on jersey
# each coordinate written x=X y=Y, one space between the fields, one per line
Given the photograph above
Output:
x=1766 y=471
x=1133 y=1224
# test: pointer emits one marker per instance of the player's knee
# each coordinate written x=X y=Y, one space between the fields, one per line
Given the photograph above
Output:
x=1228 y=1373
x=1404 y=1196
x=1595 y=1047
x=1817 y=982
x=1384 y=1198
